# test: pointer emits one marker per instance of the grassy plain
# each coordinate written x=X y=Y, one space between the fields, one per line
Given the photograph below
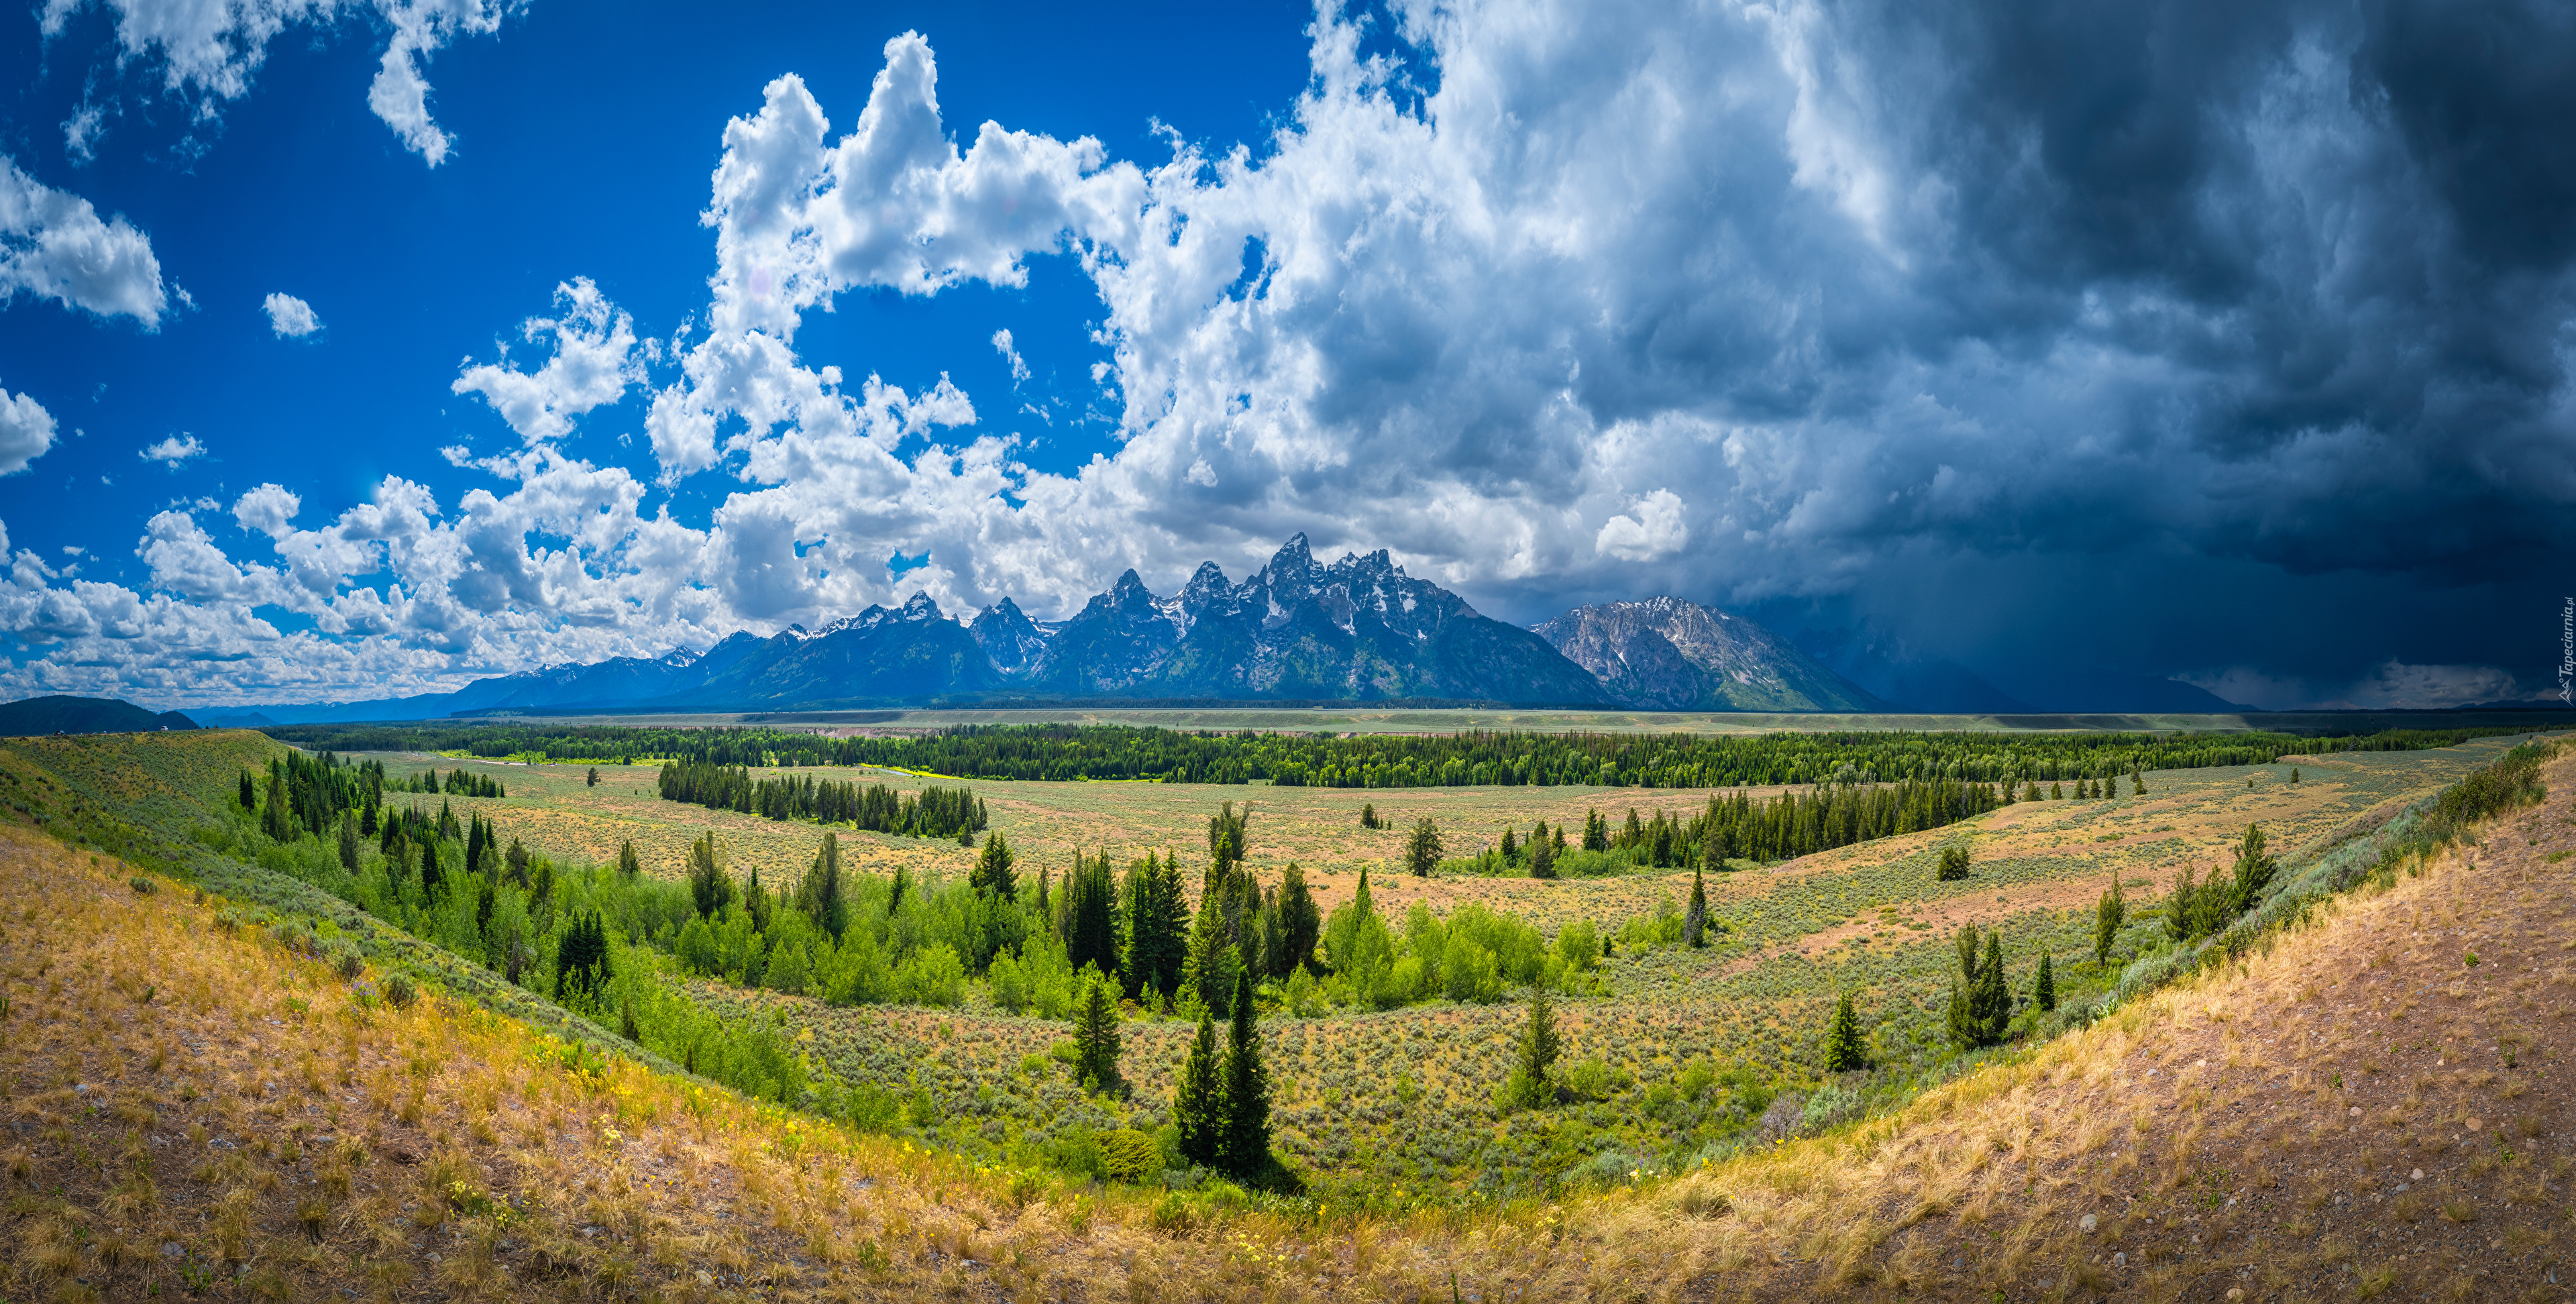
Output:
x=2354 y=1109
x=1697 y=1050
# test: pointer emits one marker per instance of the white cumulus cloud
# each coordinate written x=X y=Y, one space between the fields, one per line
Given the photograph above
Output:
x=288 y=315
x=208 y=50
x=26 y=433
x=53 y=245
x=173 y=450
x=593 y=359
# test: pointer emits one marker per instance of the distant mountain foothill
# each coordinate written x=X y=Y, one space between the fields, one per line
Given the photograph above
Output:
x=83 y=715
x=1295 y=631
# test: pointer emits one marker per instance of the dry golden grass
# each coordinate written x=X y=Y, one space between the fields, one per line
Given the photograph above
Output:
x=191 y=1108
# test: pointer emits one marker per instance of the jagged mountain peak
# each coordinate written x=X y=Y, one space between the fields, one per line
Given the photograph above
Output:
x=1672 y=654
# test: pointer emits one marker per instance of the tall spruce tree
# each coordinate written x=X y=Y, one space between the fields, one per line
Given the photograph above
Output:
x=1695 y=919
x=1158 y=925
x=1422 y=848
x=2108 y=914
x=1844 y=1050
x=1992 y=1003
x=1301 y=922
x=823 y=896
x=629 y=864
x=1247 y=1090
x=1095 y=1035
x=2254 y=871
x=1198 y=1100
x=1534 y=1060
x=710 y=888
x=2043 y=990
x=992 y=873
x=349 y=842
x=1542 y=854
x=1091 y=915
x=1213 y=963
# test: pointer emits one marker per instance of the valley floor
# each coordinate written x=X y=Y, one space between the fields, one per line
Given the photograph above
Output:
x=192 y=1107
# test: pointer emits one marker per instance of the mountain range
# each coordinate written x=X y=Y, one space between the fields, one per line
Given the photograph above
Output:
x=1295 y=631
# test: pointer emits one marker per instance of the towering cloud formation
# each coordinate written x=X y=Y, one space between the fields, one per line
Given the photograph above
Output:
x=1874 y=306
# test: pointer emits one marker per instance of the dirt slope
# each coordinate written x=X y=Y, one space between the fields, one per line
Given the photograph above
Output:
x=2378 y=1102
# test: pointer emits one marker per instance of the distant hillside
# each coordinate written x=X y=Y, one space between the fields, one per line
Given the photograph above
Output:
x=83 y=715
x=1669 y=654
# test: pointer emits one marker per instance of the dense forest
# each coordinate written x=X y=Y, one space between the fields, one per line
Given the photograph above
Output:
x=1477 y=758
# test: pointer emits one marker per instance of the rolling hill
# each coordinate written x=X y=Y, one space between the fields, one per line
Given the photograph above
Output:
x=84 y=715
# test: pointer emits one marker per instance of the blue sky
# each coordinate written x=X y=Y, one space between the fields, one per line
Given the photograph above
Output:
x=2223 y=343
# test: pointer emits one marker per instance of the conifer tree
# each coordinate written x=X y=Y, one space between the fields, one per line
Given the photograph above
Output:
x=1247 y=1090
x=592 y=781
x=1844 y=1050
x=1596 y=832
x=2254 y=871
x=1992 y=1003
x=710 y=888
x=249 y=792
x=349 y=843
x=629 y=864
x=1095 y=1036
x=1368 y=815
x=1213 y=964
x=1422 y=848
x=2043 y=992
x=1695 y=919
x=1542 y=854
x=1301 y=922
x=992 y=873
x=1954 y=864
x=1198 y=1100
x=1533 y=1079
x=1159 y=926
x=2138 y=781
x=823 y=896
x=1511 y=847
x=2108 y=914
x=1091 y=915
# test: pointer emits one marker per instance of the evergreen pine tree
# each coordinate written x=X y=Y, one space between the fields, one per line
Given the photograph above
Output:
x=1247 y=1090
x=2108 y=914
x=1422 y=848
x=1596 y=832
x=349 y=843
x=709 y=886
x=1301 y=921
x=1954 y=864
x=1368 y=815
x=1091 y=916
x=2254 y=871
x=992 y=873
x=823 y=896
x=629 y=864
x=1542 y=854
x=1992 y=1001
x=249 y=792
x=1511 y=847
x=1158 y=925
x=1198 y=1100
x=1095 y=1035
x=2044 y=991
x=1844 y=1050
x=592 y=780
x=1213 y=964
x=1533 y=1079
x=1695 y=920
x=2138 y=780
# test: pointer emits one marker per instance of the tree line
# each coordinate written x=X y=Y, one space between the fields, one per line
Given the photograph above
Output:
x=1471 y=758
x=935 y=812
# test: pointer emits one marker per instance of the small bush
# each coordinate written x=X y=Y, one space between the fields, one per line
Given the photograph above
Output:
x=1127 y=1155
x=347 y=964
x=400 y=992
x=142 y=886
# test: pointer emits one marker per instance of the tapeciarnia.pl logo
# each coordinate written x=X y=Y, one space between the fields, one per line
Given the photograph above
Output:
x=2567 y=651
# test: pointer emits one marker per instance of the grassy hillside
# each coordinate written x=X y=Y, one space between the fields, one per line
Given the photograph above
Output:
x=199 y=1103
x=84 y=715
